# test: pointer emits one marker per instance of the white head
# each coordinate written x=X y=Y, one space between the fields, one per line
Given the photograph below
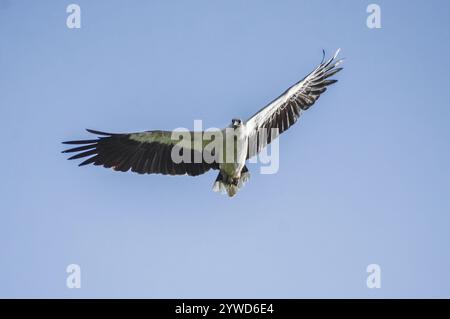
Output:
x=235 y=123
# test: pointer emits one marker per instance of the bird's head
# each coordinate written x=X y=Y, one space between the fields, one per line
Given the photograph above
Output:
x=235 y=123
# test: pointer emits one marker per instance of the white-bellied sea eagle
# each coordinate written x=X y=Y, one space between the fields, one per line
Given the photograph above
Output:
x=152 y=152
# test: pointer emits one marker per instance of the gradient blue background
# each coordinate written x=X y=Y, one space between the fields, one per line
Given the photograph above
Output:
x=364 y=176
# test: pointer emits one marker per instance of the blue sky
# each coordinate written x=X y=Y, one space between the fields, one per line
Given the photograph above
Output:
x=363 y=179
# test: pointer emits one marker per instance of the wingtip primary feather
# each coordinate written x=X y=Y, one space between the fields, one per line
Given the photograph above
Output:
x=337 y=53
x=339 y=62
x=80 y=142
x=99 y=132
x=80 y=148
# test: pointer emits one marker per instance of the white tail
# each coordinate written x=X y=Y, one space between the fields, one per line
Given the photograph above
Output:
x=223 y=183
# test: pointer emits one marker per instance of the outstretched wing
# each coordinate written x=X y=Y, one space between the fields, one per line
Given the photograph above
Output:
x=284 y=111
x=144 y=153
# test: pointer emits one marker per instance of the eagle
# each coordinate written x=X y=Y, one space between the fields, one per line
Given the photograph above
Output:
x=152 y=152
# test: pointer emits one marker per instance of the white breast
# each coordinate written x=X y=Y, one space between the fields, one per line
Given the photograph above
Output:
x=233 y=164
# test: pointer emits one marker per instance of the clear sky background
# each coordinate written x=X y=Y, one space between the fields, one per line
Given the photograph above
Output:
x=363 y=179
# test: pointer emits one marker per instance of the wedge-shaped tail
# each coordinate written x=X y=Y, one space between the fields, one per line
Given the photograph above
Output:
x=226 y=185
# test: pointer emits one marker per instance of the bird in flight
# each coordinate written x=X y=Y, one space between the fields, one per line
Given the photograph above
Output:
x=152 y=152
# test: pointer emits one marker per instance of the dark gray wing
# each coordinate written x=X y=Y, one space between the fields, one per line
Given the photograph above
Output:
x=284 y=111
x=144 y=153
